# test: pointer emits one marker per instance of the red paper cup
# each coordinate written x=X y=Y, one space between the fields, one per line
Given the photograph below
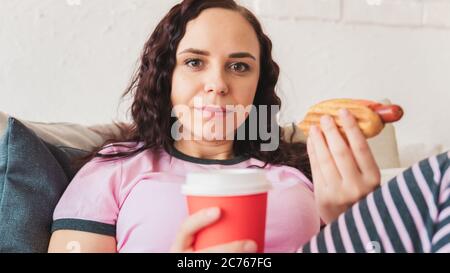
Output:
x=241 y=194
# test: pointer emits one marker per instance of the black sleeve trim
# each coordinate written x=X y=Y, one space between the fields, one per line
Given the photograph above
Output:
x=84 y=225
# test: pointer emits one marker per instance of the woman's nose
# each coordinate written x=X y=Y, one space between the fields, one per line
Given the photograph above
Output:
x=216 y=83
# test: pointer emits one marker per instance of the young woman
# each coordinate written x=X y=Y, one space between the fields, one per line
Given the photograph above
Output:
x=204 y=56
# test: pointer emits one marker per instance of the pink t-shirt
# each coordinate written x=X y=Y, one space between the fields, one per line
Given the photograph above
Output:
x=139 y=201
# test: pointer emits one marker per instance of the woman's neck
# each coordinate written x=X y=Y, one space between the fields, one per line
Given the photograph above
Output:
x=206 y=149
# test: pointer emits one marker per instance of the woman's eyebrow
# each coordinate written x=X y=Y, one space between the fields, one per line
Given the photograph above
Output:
x=242 y=55
x=206 y=53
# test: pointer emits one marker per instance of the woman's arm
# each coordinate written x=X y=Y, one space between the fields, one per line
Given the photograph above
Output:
x=72 y=241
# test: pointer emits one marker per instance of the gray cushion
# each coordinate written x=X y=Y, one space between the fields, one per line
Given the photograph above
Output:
x=33 y=176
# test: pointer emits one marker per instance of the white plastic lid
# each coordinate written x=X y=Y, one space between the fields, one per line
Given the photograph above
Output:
x=229 y=182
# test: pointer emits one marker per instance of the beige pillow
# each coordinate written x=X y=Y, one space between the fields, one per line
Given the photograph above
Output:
x=69 y=134
x=3 y=121
x=388 y=174
x=415 y=152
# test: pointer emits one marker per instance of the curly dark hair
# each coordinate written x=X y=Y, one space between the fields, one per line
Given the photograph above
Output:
x=151 y=88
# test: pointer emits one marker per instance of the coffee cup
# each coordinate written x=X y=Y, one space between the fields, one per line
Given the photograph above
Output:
x=241 y=195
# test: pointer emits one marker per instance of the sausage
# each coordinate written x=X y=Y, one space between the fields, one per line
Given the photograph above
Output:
x=388 y=113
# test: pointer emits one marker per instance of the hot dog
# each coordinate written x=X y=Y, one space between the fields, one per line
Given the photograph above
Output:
x=371 y=116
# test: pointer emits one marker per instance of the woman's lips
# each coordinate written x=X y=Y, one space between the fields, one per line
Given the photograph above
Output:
x=209 y=111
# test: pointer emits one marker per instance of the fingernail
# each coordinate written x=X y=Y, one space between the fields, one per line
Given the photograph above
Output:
x=312 y=130
x=326 y=121
x=250 y=246
x=343 y=112
x=213 y=212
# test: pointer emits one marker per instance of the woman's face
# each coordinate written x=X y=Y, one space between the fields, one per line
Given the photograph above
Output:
x=217 y=64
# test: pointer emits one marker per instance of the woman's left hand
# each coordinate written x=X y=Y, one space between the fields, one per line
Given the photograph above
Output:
x=343 y=173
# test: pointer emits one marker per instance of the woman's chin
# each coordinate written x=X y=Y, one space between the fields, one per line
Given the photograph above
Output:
x=213 y=136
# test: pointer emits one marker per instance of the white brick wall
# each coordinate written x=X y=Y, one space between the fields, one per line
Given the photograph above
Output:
x=390 y=12
x=437 y=13
x=398 y=13
x=299 y=9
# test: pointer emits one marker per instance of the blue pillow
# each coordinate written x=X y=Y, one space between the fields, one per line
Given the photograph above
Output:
x=33 y=176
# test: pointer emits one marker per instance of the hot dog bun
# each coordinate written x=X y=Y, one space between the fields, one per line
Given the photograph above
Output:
x=371 y=116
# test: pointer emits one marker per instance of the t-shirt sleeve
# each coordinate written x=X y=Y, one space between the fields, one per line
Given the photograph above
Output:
x=90 y=201
x=289 y=173
x=290 y=176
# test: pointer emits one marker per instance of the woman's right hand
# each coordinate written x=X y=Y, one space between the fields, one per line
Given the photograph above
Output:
x=185 y=238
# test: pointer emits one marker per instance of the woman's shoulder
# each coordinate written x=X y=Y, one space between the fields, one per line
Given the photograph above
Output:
x=124 y=160
x=119 y=147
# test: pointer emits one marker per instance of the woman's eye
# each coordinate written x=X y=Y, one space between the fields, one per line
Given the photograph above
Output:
x=240 y=67
x=194 y=63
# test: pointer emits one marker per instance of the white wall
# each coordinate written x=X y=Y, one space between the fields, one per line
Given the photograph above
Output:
x=70 y=60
